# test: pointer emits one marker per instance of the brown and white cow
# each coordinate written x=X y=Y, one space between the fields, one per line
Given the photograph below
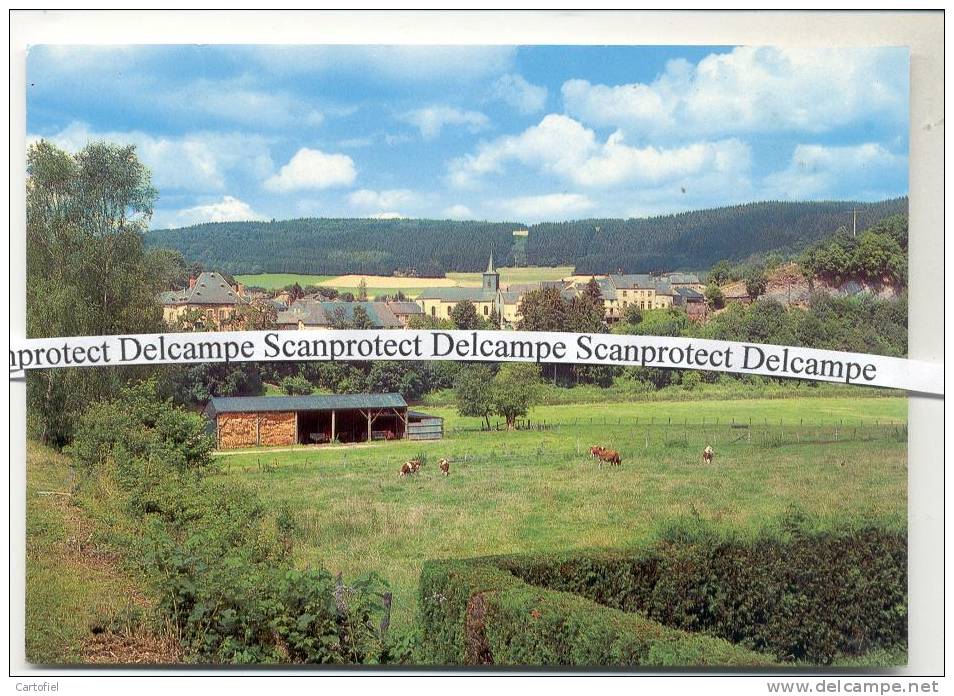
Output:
x=707 y=455
x=610 y=456
x=412 y=466
x=444 y=465
x=595 y=451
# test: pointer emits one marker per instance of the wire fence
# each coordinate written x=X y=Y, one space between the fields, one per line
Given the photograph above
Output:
x=668 y=432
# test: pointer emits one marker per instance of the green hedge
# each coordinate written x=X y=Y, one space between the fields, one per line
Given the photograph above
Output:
x=473 y=612
x=687 y=600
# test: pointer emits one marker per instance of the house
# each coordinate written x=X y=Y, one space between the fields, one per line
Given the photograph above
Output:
x=440 y=302
x=693 y=301
x=641 y=290
x=404 y=310
x=209 y=294
x=253 y=421
x=311 y=313
x=686 y=280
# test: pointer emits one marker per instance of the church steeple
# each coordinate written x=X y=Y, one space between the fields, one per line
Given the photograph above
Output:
x=491 y=277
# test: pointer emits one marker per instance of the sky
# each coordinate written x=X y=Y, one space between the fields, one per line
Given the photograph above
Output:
x=505 y=133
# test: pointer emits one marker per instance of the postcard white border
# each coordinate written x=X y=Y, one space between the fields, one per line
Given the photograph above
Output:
x=922 y=32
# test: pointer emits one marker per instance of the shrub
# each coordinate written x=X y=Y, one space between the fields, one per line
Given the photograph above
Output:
x=473 y=612
x=788 y=594
x=296 y=385
x=806 y=597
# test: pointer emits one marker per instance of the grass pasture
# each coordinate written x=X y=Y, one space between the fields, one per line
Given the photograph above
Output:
x=538 y=490
x=391 y=285
x=276 y=281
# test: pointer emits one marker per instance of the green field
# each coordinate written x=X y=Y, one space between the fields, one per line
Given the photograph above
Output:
x=523 y=491
x=275 y=281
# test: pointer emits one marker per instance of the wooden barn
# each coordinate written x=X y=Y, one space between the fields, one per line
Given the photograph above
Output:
x=249 y=421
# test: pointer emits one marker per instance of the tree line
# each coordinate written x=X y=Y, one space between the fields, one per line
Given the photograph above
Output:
x=691 y=241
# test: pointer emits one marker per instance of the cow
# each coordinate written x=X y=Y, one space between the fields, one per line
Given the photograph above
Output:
x=412 y=466
x=707 y=455
x=610 y=456
x=444 y=464
x=595 y=451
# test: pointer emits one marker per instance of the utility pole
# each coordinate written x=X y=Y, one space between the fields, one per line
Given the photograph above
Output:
x=854 y=222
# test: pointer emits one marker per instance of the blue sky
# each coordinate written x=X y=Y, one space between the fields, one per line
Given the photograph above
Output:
x=524 y=134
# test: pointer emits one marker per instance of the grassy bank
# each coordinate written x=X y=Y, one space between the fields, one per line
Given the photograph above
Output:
x=81 y=607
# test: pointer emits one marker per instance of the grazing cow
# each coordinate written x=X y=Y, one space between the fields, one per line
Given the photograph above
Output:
x=610 y=456
x=707 y=455
x=445 y=466
x=412 y=466
x=595 y=451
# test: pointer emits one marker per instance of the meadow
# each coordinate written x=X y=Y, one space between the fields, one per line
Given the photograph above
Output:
x=538 y=490
x=412 y=287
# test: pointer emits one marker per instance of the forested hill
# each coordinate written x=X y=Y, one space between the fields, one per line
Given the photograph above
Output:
x=688 y=241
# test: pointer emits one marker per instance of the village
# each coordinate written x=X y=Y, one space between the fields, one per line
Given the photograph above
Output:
x=217 y=301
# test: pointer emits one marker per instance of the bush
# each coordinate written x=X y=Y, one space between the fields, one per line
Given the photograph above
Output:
x=217 y=557
x=786 y=594
x=805 y=597
x=473 y=612
x=296 y=385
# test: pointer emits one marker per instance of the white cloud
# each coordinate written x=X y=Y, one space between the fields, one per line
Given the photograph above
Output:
x=241 y=101
x=387 y=216
x=867 y=171
x=525 y=97
x=753 y=89
x=553 y=206
x=313 y=169
x=563 y=147
x=394 y=63
x=226 y=210
x=392 y=198
x=431 y=120
x=198 y=162
x=458 y=212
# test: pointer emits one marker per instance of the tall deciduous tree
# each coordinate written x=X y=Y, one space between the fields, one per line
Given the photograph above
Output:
x=464 y=315
x=87 y=270
x=473 y=392
x=515 y=390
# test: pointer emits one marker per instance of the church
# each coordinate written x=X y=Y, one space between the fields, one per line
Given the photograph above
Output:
x=439 y=302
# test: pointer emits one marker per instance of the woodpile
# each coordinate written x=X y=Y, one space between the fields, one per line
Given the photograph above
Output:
x=278 y=428
x=237 y=430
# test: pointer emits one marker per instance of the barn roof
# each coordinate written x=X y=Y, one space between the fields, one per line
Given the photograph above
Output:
x=312 y=402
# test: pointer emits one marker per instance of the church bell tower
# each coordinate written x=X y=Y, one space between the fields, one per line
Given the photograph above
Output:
x=491 y=277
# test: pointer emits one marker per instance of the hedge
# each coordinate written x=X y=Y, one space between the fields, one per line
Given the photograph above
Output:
x=473 y=612
x=805 y=598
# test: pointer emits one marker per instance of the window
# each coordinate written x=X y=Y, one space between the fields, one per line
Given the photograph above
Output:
x=486 y=310
x=449 y=310
x=433 y=311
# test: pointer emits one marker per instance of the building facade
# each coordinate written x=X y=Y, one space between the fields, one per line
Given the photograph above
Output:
x=438 y=303
x=209 y=294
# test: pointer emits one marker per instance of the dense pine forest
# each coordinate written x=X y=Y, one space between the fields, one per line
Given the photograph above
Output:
x=687 y=241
